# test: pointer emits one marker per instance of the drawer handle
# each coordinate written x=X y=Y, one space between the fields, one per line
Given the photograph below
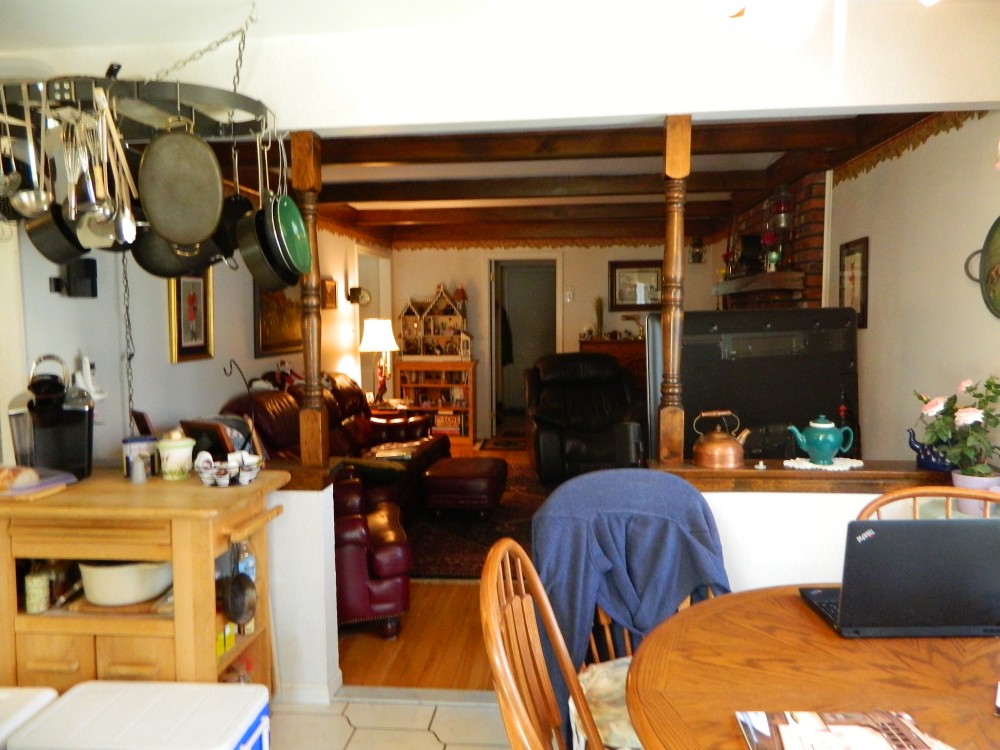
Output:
x=58 y=667
x=257 y=522
x=132 y=671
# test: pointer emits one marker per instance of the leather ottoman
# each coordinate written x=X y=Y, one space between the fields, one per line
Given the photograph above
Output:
x=465 y=483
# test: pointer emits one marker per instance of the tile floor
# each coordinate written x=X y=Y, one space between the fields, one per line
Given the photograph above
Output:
x=390 y=719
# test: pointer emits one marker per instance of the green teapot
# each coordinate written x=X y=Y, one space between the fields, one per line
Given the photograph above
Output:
x=822 y=440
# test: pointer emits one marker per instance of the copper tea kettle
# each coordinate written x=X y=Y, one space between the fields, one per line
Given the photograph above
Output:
x=718 y=449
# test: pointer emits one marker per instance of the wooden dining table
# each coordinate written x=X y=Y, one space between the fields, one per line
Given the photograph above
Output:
x=765 y=650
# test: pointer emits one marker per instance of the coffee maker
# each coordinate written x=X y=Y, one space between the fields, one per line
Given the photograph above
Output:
x=52 y=422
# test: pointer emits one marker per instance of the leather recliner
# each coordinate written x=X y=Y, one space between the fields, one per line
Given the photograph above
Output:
x=373 y=560
x=573 y=402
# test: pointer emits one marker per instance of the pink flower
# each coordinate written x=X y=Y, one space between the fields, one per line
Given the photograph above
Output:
x=933 y=407
x=968 y=415
x=964 y=386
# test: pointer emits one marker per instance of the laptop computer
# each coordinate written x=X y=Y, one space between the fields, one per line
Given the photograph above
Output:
x=915 y=578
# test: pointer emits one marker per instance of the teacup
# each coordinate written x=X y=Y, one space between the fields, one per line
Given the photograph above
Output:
x=222 y=477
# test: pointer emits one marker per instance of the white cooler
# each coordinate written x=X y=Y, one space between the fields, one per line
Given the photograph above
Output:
x=17 y=705
x=110 y=715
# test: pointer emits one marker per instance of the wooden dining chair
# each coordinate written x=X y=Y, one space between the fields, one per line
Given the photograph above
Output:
x=918 y=502
x=512 y=601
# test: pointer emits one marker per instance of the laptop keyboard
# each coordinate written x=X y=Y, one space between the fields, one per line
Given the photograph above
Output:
x=830 y=607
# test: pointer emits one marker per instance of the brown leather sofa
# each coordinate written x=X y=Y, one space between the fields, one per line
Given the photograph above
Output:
x=354 y=435
x=373 y=560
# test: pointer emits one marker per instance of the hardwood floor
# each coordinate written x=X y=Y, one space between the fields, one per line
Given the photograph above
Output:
x=440 y=644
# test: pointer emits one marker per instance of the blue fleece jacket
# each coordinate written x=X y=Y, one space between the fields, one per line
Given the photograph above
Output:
x=635 y=541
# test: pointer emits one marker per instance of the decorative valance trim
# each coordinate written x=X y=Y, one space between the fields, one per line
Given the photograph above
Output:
x=908 y=140
x=539 y=244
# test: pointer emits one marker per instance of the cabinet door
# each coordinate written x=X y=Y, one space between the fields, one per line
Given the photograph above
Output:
x=135 y=658
x=58 y=661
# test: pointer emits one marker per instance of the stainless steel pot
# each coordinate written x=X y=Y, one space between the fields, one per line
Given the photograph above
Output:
x=53 y=237
x=251 y=236
x=159 y=257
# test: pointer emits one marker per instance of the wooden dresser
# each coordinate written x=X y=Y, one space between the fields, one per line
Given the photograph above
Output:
x=105 y=517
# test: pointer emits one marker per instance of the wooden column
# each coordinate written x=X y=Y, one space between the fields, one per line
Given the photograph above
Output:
x=307 y=181
x=676 y=168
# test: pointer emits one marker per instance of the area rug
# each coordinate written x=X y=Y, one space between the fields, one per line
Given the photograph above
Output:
x=455 y=545
x=513 y=442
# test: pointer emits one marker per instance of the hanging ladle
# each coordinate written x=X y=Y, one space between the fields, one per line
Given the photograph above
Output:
x=32 y=203
x=9 y=181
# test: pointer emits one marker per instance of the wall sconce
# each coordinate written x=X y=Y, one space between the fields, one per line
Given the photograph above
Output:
x=377 y=336
x=357 y=295
x=696 y=251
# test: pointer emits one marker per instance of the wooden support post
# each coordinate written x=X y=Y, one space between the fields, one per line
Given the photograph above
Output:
x=676 y=168
x=306 y=179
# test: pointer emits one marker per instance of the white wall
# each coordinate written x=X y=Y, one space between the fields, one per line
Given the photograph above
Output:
x=928 y=327
x=583 y=270
x=440 y=65
x=70 y=327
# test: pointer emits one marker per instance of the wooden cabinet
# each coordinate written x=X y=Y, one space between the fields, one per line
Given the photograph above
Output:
x=445 y=390
x=105 y=517
x=630 y=353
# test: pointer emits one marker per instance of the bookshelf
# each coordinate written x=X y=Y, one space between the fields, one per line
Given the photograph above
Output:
x=445 y=390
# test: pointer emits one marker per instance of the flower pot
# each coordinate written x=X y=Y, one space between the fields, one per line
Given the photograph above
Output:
x=989 y=483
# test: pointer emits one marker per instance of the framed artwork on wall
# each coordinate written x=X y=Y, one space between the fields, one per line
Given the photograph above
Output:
x=277 y=321
x=634 y=284
x=189 y=302
x=328 y=294
x=854 y=278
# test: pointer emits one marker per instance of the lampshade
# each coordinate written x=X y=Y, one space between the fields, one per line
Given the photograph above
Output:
x=377 y=336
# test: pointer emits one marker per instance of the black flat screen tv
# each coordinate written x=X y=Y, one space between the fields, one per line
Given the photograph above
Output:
x=772 y=368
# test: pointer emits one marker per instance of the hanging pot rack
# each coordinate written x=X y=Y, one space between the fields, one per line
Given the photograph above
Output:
x=142 y=109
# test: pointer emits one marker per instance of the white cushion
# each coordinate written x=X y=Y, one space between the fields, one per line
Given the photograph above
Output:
x=604 y=686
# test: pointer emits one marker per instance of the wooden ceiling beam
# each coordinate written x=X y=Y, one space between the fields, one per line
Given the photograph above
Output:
x=613 y=143
x=562 y=212
x=534 y=187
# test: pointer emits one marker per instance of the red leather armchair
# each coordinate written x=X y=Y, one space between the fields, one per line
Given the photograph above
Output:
x=373 y=560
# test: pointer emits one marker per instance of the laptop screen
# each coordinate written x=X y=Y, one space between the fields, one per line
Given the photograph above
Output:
x=921 y=578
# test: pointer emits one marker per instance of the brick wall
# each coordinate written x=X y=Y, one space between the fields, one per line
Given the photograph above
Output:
x=802 y=246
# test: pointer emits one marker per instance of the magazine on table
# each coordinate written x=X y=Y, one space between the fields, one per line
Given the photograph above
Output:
x=833 y=730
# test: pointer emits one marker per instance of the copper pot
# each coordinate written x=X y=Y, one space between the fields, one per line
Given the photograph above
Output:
x=718 y=449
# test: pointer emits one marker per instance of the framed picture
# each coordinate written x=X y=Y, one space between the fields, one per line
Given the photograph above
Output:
x=189 y=301
x=634 y=284
x=277 y=321
x=328 y=294
x=854 y=278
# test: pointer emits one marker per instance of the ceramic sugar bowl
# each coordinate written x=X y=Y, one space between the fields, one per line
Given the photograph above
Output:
x=175 y=455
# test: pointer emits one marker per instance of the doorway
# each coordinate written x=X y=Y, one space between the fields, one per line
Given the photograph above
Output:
x=524 y=328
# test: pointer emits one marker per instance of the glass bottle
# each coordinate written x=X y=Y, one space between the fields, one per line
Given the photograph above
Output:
x=246 y=563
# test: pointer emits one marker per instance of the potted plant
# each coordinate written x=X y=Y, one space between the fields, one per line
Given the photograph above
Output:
x=960 y=426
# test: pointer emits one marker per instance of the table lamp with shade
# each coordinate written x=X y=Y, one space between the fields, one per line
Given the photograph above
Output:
x=377 y=336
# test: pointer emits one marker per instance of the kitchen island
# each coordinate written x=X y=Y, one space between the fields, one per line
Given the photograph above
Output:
x=106 y=517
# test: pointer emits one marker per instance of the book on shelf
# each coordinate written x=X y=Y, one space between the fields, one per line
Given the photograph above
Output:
x=833 y=730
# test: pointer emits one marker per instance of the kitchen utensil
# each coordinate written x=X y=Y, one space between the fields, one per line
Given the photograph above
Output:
x=161 y=258
x=9 y=181
x=53 y=237
x=34 y=201
x=234 y=207
x=718 y=449
x=237 y=593
x=256 y=254
x=180 y=185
